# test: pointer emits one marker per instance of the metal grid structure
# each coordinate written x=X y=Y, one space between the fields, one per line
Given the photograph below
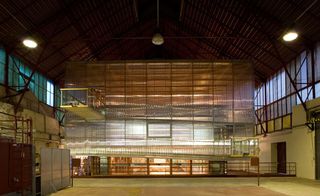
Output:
x=161 y=108
x=294 y=84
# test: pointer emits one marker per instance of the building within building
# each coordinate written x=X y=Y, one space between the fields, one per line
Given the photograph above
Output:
x=145 y=89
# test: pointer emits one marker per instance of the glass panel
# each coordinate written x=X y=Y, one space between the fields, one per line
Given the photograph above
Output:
x=2 y=64
x=283 y=83
x=159 y=166
x=187 y=107
x=304 y=94
x=284 y=108
x=271 y=90
x=289 y=104
x=159 y=130
x=317 y=86
x=317 y=62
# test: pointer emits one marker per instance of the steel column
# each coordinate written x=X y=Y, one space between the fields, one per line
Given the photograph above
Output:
x=313 y=73
x=265 y=108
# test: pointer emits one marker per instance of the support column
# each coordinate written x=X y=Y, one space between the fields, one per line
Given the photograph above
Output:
x=265 y=109
x=148 y=166
x=317 y=147
x=109 y=166
x=170 y=167
x=313 y=73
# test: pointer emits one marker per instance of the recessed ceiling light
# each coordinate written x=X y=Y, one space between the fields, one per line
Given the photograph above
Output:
x=30 y=43
x=290 y=36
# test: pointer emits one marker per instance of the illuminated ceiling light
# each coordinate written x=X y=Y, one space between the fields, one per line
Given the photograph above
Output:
x=290 y=36
x=157 y=39
x=30 y=43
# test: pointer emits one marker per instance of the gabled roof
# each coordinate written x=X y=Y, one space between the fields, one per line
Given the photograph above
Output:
x=92 y=30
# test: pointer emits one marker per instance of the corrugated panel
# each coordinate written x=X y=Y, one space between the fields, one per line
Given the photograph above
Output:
x=55 y=169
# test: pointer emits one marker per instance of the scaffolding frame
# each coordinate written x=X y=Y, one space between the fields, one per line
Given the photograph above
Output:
x=17 y=128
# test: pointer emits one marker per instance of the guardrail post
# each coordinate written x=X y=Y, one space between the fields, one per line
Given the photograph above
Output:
x=259 y=173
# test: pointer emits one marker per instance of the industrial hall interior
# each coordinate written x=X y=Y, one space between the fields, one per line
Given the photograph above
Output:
x=160 y=97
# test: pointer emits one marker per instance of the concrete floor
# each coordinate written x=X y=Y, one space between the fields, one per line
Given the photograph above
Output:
x=192 y=186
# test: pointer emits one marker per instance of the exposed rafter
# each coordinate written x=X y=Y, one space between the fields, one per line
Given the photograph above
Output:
x=235 y=29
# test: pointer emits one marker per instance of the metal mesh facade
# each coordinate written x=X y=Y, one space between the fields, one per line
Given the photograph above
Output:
x=165 y=104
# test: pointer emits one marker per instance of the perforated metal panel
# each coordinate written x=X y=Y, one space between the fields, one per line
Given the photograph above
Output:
x=55 y=169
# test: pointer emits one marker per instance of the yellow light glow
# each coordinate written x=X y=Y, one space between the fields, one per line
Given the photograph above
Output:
x=290 y=36
x=157 y=39
x=30 y=43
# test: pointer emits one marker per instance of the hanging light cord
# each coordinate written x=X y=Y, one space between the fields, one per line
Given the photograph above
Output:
x=157 y=13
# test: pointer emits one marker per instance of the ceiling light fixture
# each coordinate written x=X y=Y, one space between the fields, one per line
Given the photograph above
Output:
x=290 y=36
x=157 y=38
x=30 y=43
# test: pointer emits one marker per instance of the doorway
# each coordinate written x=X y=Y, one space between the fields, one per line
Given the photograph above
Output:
x=281 y=157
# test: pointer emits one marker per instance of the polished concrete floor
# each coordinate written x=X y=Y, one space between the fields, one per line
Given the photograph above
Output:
x=192 y=186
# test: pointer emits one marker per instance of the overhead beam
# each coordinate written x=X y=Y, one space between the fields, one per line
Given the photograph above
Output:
x=283 y=25
x=125 y=50
x=222 y=52
x=35 y=29
x=88 y=58
x=76 y=23
x=19 y=11
x=245 y=53
x=95 y=54
x=189 y=33
x=229 y=29
x=79 y=37
x=184 y=31
x=305 y=10
x=258 y=28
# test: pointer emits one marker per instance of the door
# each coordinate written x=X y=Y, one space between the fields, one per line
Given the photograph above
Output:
x=281 y=157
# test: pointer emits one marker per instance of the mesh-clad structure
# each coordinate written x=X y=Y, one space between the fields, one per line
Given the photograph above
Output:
x=160 y=108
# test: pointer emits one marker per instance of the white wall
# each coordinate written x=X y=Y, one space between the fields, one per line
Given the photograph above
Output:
x=300 y=149
x=299 y=143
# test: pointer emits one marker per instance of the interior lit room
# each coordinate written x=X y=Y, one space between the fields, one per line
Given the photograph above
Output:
x=157 y=97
